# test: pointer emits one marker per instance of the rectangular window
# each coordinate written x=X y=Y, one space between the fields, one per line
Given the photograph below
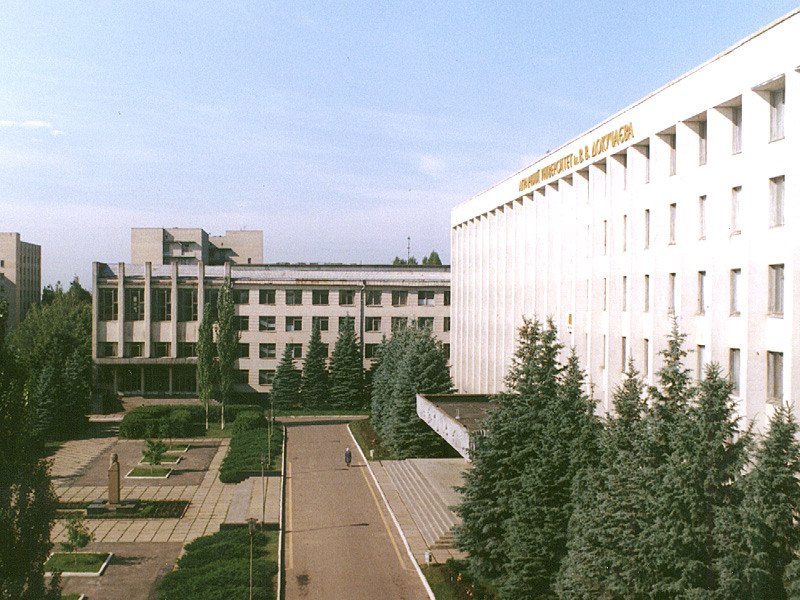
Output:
x=776 y=290
x=244 y=350
x=446 y=324
x=294 y=297
x=776 y=191
x=775 y=376
x=321 y=322
x=106 y=349
x=266 y=376
x=603 y=354
x=701 y=362
x=702 y=139
x=673 y=153
x=372 y=324
x=777 y=104
x=736 y=276
x=624 y=293
x=701 y=217
x=399 y=323
x=735 y=197
x=161 y=304
x=266 y=323
x=266 y=296
x=646 y=293
x=294 y=323
x=325 y=350
x=734 y=369
x=701 y=292
x=447 y=298
x=371 y=351
x=242 y=323
x=446 y=351
x=425 y=298
x=671 y=293
x=605 y=238
x=736 y=132
x=605 y=293
x=241 y=376
x=134 y=304
x=425 y=323
x=624 y=233
x=347 y=323
x=267 y=350
x=211 y=297
x=134 y=349
x=296 y=350
x=241 y=296
x=399 y=298
x=624 y=355
x=646 y=154
x=646 y=228
x=373 y=298
x=673 y=216
x=187 y=349
x=187 y=304
x=347 y=297
x=319 y=297
x=646 y=357
x=160 y=349
x=108 y=305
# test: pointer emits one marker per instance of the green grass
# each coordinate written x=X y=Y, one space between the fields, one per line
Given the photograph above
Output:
x=217 y=566
x=451 y=581
x=142 y=509
x=368 y=438
x=244 y=454
x=70 y=597
x=165 y=460
x=89 y=562
x=149 y=472
x=214 y=430
x=182 y=448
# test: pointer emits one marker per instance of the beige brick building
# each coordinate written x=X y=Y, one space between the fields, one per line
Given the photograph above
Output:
x=20 y=275
x=146 y=316
x=187 y=246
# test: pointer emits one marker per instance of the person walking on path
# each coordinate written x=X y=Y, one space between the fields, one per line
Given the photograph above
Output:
x=347 y=456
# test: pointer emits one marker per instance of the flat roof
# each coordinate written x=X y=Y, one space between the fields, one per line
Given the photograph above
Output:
x=471 y=410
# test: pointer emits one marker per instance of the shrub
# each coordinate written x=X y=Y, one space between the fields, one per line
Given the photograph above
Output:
x=248 y=420
x=244 y=454
x=174 y=421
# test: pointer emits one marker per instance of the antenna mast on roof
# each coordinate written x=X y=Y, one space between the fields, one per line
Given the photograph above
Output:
x=408 y=251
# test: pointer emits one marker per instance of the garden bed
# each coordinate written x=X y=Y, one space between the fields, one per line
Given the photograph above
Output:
x=78 y=564
x=178 y=421
x=134 y=509
x=178 y=448
x=148 y=473
x=168 y=459
x=451 y=581
x=367 y=438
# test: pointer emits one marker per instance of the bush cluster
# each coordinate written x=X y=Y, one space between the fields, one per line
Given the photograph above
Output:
x=248 y=420
x=217 y=566
x=243 y=459
x=174 y=420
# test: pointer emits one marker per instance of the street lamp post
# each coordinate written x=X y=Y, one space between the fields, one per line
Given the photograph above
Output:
x=263 y=490
x=251 y=526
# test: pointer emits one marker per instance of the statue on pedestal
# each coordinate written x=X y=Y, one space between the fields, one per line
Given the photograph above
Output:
x=113 y=481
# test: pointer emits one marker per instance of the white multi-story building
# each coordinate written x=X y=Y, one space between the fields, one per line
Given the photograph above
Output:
x=20 y=275
x=146 y=317
x=681 y=204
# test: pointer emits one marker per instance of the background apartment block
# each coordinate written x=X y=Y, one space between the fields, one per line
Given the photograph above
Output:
x=20 y=275
x=684 y=205
x=186 y=246
x=146 y=317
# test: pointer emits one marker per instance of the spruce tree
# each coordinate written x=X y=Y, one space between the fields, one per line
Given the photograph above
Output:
x=347 y=372
x=227 y=345
x=601 y=562
x=206 y=353
x=287 y=382
x=389 y=353
x=315 y=385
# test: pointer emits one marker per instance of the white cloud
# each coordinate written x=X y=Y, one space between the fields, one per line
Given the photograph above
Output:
x=32 y=124
x=430 y=165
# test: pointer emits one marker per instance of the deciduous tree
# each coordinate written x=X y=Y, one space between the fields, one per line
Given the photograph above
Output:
x=227 y=345
x=206 y=364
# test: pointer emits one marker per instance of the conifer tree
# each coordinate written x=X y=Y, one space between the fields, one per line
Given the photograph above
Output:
x=287 y=382
x=383 y=380
x=206 y=352
x=347 y=371
x=227 y=345
x=602 y=563
x=315 y=385
x=44 y=399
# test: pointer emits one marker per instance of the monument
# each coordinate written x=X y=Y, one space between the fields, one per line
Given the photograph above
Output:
x=113 y=482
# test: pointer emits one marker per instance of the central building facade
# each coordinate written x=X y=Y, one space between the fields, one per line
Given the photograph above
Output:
x=681 y=207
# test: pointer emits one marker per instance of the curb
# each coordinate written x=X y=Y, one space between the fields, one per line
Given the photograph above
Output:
x=281 y=523
x=394 y=518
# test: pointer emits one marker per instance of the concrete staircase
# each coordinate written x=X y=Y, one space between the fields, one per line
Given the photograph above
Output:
x=426 y=505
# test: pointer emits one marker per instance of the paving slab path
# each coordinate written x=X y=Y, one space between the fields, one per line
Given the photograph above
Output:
x=340 y=539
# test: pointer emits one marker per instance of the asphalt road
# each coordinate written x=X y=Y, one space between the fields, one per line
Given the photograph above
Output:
x=340 y=540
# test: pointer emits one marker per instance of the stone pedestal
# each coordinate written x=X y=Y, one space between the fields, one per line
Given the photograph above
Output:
x=113 y=482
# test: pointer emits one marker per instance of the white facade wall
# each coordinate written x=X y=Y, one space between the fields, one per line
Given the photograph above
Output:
x=572 y=246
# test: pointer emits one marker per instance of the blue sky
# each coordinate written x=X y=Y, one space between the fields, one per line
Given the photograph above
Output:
x=339 y=128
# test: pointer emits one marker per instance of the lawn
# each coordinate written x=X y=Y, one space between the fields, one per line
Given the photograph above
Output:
x=149 y=472
x=165 y=460
x=367 y=438
x=217 y=566
x=451 y=581
x=70 y=597
x=76 y=562
x=140 y=509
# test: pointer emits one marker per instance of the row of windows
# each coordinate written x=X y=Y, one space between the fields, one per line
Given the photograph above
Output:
x=775 y=291
x=294 y=323
x=161 y=301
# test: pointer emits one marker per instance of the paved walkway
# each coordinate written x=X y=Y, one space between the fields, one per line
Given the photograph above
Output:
x=252 y=500
x=209 y=505
x=340 y=541
x=75 y=455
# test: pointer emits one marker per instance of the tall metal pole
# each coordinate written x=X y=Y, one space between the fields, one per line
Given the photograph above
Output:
x=250 y=523
x=263 y=490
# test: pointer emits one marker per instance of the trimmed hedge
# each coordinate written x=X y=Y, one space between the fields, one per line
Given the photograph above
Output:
x=175 y=420
x=217 y=566
x=243 y=459
x=247 y=420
